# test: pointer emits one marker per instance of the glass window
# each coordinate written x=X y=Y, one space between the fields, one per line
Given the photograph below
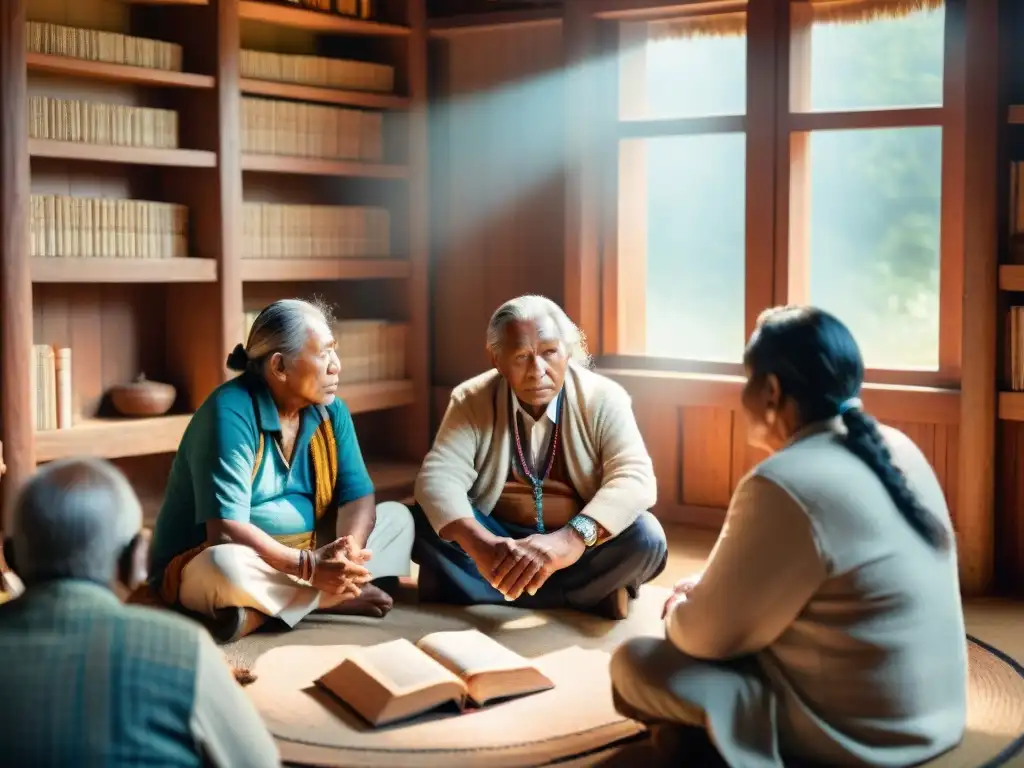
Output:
x=694 y=220
x=679 y=69
x=878 y=62
x=874 y=212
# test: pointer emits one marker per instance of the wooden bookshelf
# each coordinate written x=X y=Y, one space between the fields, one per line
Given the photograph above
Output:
x=297 y=270
x=106 y=153
x=115 y=73
x=111 y=270
x=176 y=319
x=313 y=167
x=315 y=21
x=316 y=94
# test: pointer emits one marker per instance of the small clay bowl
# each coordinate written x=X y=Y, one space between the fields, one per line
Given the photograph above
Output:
x=142 y=397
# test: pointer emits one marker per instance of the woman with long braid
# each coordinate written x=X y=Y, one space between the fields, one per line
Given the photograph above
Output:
x=827 y=627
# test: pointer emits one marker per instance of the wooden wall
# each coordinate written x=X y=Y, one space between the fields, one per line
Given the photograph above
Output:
x=497 y=148
x=481 y=256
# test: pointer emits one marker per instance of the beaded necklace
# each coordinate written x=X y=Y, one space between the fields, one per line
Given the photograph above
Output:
x=538 y=483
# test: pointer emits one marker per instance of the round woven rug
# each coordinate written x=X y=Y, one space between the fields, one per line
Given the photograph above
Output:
x=575 y=718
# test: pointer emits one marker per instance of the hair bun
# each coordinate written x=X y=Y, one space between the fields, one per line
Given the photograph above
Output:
x=238 y=360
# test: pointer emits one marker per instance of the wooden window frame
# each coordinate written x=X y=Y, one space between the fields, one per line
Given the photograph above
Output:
x=777 y=177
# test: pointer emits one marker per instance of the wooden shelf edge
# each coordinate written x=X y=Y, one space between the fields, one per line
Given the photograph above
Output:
x=106 y=153
x=119 y=438
x=315 y=167
x=377 y=395
x=447 y=26
x=112 y=270
x=298 y=270
x=117 y=73
x=113 y=438
x=315 y=21
x=1011 y=277
x=1016 y=114
x=315 y=93
x=1011 y=406
x=167 y=2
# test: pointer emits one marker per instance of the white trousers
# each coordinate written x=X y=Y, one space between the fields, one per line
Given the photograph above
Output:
x=233 y=575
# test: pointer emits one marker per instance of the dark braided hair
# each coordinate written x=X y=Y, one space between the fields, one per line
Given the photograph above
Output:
x=818 y=365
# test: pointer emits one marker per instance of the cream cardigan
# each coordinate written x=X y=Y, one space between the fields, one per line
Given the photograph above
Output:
x=604 y=453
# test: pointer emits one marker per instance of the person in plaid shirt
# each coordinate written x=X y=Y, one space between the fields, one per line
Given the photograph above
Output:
x=88 y=680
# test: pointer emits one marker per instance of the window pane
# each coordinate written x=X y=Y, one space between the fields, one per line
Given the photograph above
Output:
x=693 y=217
x=869 y=62
x=874 y=239
x=675 y=69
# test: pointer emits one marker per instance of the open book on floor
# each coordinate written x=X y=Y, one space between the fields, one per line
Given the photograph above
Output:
x=396 y=680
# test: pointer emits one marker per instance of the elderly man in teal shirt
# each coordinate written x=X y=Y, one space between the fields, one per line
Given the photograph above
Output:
x=269 y=510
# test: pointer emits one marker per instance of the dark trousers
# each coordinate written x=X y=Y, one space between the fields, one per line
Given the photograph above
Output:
x=632 y=558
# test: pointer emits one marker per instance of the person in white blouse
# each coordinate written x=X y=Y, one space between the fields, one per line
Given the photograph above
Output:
x=827 y=627
x=538 y=485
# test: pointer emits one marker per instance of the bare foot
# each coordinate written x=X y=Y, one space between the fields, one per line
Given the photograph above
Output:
x=372 y=601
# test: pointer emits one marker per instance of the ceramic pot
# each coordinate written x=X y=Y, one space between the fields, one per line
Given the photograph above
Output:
x=143 y=397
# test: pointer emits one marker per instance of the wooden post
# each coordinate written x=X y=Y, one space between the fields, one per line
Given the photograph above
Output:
x=229 y=154
x=416 y=429
x=582 y=184
x=16 y=422
x=767 y=98
x=976 y=500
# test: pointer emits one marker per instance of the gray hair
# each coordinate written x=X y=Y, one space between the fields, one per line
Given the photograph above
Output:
x=532 y=307
x=281 y=327
x=72 y=520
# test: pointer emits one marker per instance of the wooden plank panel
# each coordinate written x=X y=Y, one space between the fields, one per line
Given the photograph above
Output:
x=707 y=457
x=659 y=426
x=86 y=362
x=924 y=436
x=497 y=196
x=941 y=460
x=952 y=484
x=744 y=456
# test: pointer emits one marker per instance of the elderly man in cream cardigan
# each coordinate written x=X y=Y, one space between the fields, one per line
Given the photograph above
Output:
x=537 y=489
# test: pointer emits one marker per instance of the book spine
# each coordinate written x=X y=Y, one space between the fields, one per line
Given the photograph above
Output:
x=63 y=366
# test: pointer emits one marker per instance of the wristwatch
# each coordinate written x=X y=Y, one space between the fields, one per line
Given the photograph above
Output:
x=586 y=528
